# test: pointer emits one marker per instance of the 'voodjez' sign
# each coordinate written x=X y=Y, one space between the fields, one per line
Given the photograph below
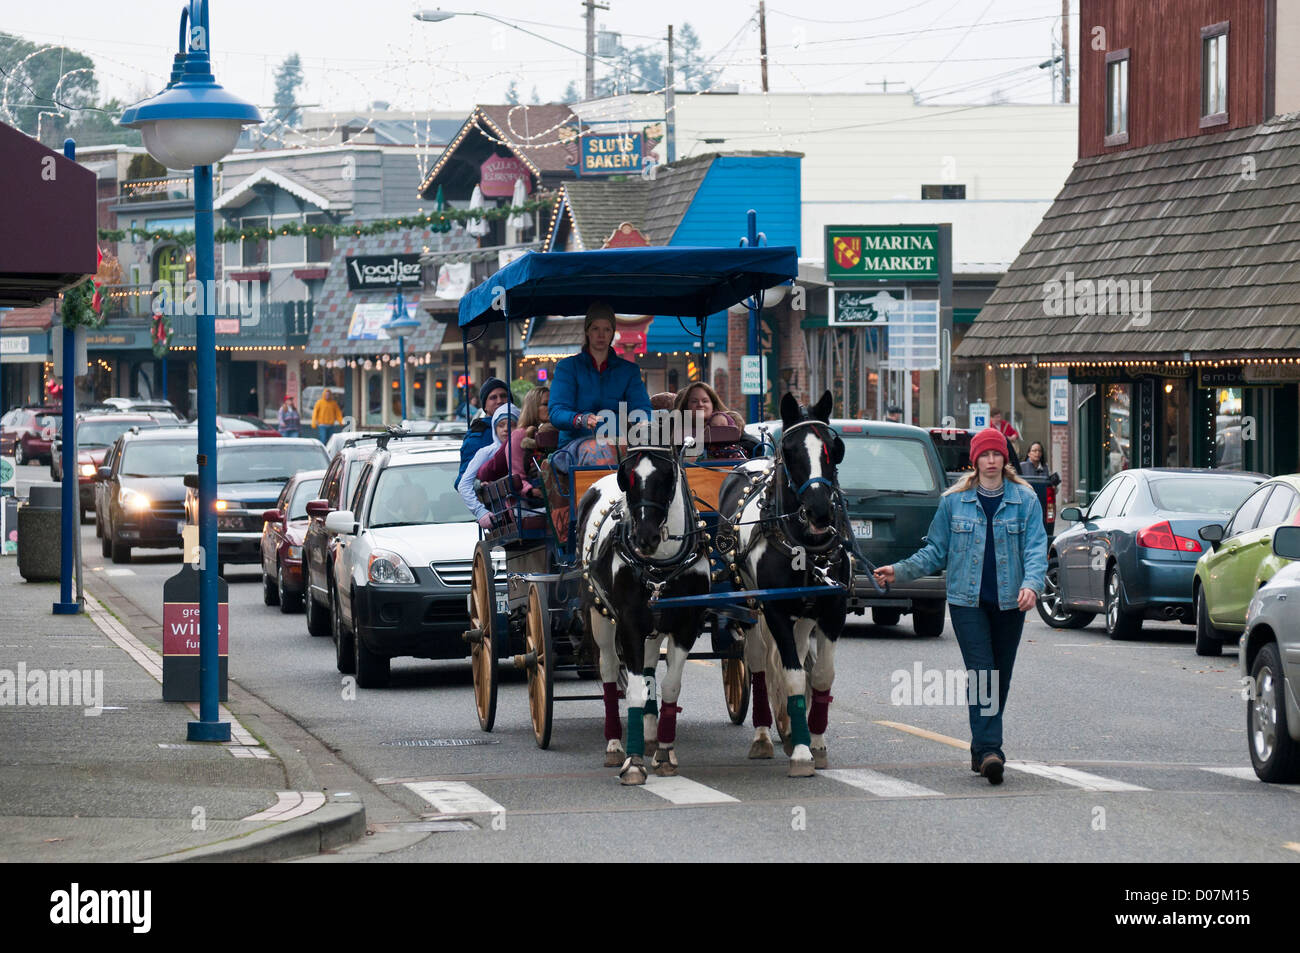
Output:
x=181 y=635
x=890 y=252
x=384 y=271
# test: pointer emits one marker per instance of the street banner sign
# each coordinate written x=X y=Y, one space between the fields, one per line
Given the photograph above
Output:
x=752 y=374
x=882 y=252
x=181 y=635
x=979 y=415
x=1058 y=400
x=9 y=526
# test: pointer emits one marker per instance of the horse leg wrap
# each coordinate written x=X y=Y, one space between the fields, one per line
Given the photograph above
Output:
x=635 y=733
x=762 y=707
x=650 y=706
x=797 y=708
x=820 y=714
x=668 y=723
x=613 y=726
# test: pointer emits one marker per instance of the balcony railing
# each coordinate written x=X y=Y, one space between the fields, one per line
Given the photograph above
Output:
x=127 y=301
x=171 y=189
x=270 y=324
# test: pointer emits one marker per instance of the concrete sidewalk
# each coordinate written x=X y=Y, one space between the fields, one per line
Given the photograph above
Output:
x=94 y=766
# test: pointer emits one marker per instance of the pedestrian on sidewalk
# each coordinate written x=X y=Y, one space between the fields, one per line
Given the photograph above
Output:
x=988 y=534
x=288 y=418
x=326 y=416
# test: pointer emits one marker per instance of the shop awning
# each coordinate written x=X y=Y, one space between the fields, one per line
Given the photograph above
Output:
x=47 y=221
x=1186 y=249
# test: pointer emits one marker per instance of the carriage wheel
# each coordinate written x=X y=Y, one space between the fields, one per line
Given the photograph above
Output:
x=541 y=674
x=482 y=615
x=735 y=688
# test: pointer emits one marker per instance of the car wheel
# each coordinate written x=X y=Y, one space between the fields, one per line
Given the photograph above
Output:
x=344 y=656
x=270 y=590
x=886 y=616
x=288 y=601
x=927 y=618
x=99 y=526
x=1051 y=604
x=1209 y=640
x=1120 y=623
x=121 y=553
x=1273 y=752
x=318 y=623
x=372 y=669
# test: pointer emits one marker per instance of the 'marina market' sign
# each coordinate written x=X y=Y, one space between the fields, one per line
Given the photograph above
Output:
x=889 y=252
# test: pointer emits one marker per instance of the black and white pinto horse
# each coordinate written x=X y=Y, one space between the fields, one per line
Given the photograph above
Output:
x=786 y=530
x=642 y=540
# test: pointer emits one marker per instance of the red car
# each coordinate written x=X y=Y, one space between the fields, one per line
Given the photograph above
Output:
x=282 y=535
x=26 y=433
x=233 y=426
x=95 y=435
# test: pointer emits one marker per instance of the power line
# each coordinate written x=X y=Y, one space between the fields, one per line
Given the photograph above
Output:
x=883 y=16
x=922 y=80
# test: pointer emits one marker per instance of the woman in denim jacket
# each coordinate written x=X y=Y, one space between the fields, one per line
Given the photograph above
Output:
x=988 y=534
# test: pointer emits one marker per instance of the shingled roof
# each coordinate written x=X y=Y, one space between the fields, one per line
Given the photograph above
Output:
x=534 y=133
x=1212 y=223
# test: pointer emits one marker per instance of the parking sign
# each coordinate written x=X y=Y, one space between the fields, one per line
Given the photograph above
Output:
x=979 y=416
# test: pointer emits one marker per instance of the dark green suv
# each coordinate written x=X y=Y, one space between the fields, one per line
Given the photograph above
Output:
x=891 y=479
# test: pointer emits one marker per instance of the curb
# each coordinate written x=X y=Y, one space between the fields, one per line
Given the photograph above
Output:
x=327 y=828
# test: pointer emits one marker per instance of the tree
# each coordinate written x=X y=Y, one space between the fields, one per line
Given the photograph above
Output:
x=643 y=67
x=571 y=94
x=512 y=93
x=288 y=77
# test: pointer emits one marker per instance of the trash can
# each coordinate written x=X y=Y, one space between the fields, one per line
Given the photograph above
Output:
x=39 y=533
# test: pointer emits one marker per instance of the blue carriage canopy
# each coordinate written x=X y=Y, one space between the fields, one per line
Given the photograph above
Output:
x=681 y=281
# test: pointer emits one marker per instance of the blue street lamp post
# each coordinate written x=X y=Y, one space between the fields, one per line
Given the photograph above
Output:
x=193 y=123
x=400 y=325
x=67 y=605
x=751 y=241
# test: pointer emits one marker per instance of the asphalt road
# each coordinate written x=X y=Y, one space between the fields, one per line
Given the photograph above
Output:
x=1120 y=751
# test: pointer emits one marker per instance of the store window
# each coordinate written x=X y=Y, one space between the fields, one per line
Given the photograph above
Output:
x=1177 y=424
x=1116 y=98
x=1117 y=430
x=374 y=396
x=1228 y=428
x=943 y=192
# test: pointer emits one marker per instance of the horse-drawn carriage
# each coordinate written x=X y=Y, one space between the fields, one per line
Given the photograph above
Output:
x=631 y=552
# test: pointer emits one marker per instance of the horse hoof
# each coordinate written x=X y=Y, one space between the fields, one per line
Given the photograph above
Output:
x=762 y=748
x=633 y=771
x=615 y=755
x=666 y=763
x=819 y=758
x=802 y=769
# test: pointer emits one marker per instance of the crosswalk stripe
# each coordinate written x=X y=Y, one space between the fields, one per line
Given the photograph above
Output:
x=1073 y=777
x=681 y=790
x=455 y=797
x=881 y=785
x=1242 y=774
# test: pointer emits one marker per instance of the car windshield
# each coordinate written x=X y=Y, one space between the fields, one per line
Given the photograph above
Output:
x=304 y=493
x=886 y=465
x=1200 y=494
x=102 y=433
x=259 y=461
x=159 y=458
x=419 y=493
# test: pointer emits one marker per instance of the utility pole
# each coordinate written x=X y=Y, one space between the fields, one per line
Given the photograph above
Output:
x=592 y=6
x=762 y=39
x=1065 y=51
x=670 y=105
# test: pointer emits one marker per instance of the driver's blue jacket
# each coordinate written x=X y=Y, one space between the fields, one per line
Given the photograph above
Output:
x=578 y=389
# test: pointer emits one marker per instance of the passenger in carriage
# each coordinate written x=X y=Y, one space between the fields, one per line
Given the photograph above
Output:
x=593 y=381
x=514 y=457
x=703 y=403
x=502 y=418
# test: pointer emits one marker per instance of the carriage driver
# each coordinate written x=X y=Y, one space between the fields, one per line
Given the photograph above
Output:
x=591 y=381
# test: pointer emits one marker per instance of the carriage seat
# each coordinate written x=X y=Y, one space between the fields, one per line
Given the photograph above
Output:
x=663 y=400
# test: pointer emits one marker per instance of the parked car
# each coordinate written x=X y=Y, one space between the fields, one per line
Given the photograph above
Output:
x=27 y=432
x=237 y=426
x=140 y=491
x=1269 y=661
x=1133 y=555
x=250 y=476
x=953 y=444
x=1240 y=560
x=96 y=433
x=337 y=488
x=283 y=530
x=401 y=572
x=891 y=478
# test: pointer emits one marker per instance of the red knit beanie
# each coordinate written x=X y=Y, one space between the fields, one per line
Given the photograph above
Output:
x=988 y=439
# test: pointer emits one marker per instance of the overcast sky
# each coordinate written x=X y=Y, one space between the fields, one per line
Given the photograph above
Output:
x=359 y=51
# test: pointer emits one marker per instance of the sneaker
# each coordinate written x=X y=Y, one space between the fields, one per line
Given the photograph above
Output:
x=991 y=768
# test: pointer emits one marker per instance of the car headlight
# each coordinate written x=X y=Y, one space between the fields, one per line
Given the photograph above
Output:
x=87 y=469
x=388 y=569
x=222 y=505
x=294 y=552
x=135 y=500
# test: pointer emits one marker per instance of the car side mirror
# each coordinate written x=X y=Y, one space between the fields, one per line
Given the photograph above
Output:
x=318 y=509
x=342 y=522
x=272 y=516
x=103 y=473
x=1286 y=542
x=192 y=481
x=1071 y=514
x=1212 y=534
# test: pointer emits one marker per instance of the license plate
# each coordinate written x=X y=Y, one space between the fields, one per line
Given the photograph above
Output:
x=862 y=529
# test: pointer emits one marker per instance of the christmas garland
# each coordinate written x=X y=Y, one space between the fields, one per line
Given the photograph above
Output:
x=161 y=335
x=77 y=311
x=439 y=221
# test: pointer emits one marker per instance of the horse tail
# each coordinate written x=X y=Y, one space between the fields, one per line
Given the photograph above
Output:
x=777 y=689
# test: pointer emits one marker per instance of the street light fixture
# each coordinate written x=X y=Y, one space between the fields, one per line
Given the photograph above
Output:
x=193 y=122
x=400 y=325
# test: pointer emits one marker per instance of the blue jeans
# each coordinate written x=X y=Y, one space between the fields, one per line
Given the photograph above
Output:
x=989 y=638
x=325 y=431
x=287 y=432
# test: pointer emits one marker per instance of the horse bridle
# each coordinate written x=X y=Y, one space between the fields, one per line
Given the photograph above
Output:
x=828 y=436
